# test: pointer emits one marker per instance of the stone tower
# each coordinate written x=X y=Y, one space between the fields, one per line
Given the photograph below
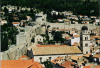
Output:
x=85 y=40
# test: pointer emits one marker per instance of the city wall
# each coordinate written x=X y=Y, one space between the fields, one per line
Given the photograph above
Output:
x=77 y=26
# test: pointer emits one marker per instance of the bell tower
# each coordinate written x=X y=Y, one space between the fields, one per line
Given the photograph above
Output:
x=85 y=40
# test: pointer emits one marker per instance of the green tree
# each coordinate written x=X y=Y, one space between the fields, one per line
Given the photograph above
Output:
x=47 y=64
x=4 y=41
x=5 y=10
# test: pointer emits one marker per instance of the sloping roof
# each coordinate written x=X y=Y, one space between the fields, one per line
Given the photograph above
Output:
x=20 y=64
x=56 y=60
x=67 y=20
x=2 y=23
x=96 y=56
x=66 y=64
x=15 y=22
x=75 y=36
x=74 y=57
x=98 y=66
x=86 y=67
x=75 y=43
x=55 y=50
x=23 y=57
x=87 y=55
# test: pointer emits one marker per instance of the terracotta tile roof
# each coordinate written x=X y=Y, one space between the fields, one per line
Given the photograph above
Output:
x=71 y=33
x=98 y=41
x=67 y=20
x=15 y=17
x=55 y=50
x=95 y=36
x=87 y=55
x=23 y=57
x=85 y=23
x=69 y=13
x=74 y=57
x=76 y=36
x=92 y=16
x=15 y=22
x=62 y=29
x=66 y=64
x=86 y=67
x=96 y=56
x=75 y=44
x=20 y=64
x=38 y=65
x=59 y=19
x=91 y=45
x=56 y=60
x=98 y=66
x=96 y=19
x=94 y=22
x=2 y=23
x=67 y=37
x=3 y=20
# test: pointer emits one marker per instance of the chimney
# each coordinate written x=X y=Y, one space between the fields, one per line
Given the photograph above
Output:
x=33 y=60
x=66 y=57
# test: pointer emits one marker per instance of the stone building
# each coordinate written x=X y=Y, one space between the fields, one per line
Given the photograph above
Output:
x=40 y=17
x=85 y=40
x=43 y=52
x=38 y=38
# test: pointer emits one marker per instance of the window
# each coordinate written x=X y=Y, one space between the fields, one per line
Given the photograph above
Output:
x=86 y=44
x=86 y=52
x=42 y=19
x=86 y=38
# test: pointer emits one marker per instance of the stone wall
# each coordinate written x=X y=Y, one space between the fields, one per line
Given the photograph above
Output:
x=14 y=53
x=23 y=41
x=62 y=26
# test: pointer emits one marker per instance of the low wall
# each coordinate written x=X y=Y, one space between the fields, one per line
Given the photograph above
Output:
x=14 y=53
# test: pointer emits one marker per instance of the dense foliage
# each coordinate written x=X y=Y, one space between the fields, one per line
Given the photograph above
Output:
x=47 y=64
x=8 y=36
x=77 y=6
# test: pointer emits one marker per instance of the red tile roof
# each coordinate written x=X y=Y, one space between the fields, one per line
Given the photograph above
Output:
x=23 y=57
x=86 y=66
x=67 y=64
x=76 y=36
x=2 y=23
x=20 y=64
x=98 y=66
x=15 y=22
x=56 y=60
x=96 y=56
x=87 y=55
